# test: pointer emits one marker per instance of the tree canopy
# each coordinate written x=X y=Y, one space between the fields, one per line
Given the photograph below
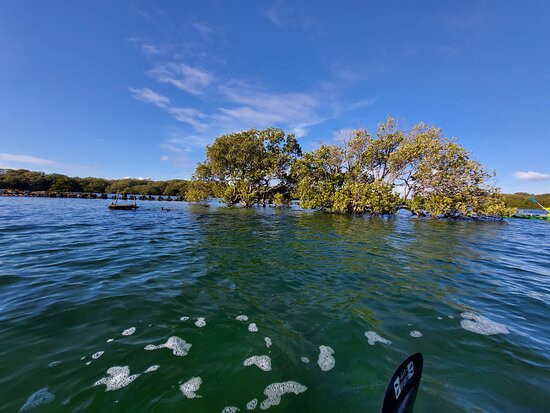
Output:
x=420 y=169
x=251 y=166
x=22 y=179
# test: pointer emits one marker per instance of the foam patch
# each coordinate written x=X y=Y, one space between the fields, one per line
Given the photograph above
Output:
x=184 y=318
x=117 y=378
x=178 y=346
x=481 y=325
x=201 y=322
x=267 y=342
x=230 y=409
x=152 y=368
x=262 y=362
x=54 y=363
x=241 y=317
x=305 y=360
x=129 y=331
x=451 y=316
x=110 y=340
x=190 y=387
x=440 y=318
x=253 y=328
x=251 y=405
x=38 y=398
x=88 y=363
x=326 y=361
x=374 y=338
x=275 y=391
x=97 y=354
x=415 y=333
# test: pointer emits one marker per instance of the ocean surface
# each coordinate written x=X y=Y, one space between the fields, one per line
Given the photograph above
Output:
x=74 y=275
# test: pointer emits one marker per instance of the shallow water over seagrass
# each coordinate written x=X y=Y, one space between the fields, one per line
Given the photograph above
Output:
x=74 y=274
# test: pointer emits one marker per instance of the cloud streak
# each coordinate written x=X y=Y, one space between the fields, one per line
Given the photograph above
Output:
x=186 y=115
x=531 y=176
x=187 y=78
x=25 y=159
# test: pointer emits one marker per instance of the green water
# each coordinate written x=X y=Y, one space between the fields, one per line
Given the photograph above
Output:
x=74 y=274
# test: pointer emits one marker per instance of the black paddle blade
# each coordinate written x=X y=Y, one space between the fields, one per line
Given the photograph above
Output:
x=403 y=386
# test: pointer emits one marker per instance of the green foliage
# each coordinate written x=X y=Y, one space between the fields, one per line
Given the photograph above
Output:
x=250 y=166
x=24 y=180
x=198 y=191
x=176 y=187
x=65 y=184
x=521 y=200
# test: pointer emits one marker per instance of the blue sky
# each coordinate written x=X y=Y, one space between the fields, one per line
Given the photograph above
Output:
x=138 y=88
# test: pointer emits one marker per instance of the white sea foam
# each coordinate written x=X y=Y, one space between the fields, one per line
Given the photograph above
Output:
x=88 y=363
x=326 y=361
x=129 y=331
x=253 y=328
x=190 y=387
x=178 y=346
x=373 y=338
x=110 y=340
x=184 y=318
x=54 y=363
x=241 y=317
x=305 y=360
x=275 y=391
x=262 y=362
x=230 y=409
x=201 y=322
x=481 y=325
x=451 y=316
x=439 y=318
x=152 y=368
x=415 y=333
x=251 y=405
x=117 y=378
x=38 y=398
x=267 y=342
x=97 y=354
x=83 y=358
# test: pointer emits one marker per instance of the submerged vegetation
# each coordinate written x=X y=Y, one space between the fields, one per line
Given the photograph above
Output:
x=419 y=169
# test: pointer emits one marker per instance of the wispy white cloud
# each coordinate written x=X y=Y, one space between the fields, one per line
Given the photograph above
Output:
x=187 y=78
x=531 y=176
x=186 y=115
x=261 y=108
x=148 y=48
x=147 y=95
x=281 y=14
x=204 y=30
x=25 y=159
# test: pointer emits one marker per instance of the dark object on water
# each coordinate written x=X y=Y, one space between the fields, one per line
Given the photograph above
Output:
x=125 y=207
x=403 y=386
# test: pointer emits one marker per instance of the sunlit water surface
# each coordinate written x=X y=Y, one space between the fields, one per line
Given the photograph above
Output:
x=74 y=274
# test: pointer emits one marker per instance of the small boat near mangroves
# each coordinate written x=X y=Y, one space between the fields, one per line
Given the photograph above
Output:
x=533 y=213
x=123 y=207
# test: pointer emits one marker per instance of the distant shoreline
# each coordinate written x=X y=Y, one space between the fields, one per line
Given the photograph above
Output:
x=86 y=195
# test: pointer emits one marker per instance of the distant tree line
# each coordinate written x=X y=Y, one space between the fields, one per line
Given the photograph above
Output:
x=419 y=169
x=24 y=180
x=521 y=200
